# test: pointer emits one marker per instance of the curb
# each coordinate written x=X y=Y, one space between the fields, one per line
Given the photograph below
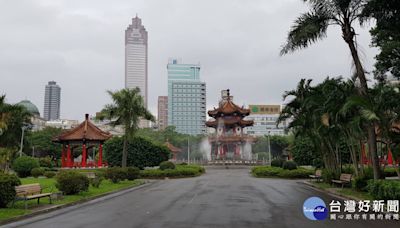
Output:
x=332 y=193
x=93 y=199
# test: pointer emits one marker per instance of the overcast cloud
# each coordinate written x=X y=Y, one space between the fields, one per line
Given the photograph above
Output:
x=80 y=45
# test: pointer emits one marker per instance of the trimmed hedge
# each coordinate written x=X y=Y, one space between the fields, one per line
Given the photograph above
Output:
x=116 y=174
x=72 y=182
x=46 y=162
x=49 y=174
x=132 y=173
x=7 y=188
x=268 y=171
x=178 y=172
x=167 y=165
x=277 y=163
x=290 y=165
x=384 y=189
x=95 y=182
x=36 y=172
x=23 y=165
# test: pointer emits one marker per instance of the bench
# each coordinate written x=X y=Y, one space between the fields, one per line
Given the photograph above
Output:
x=30 y=191
x=345 y=178
x=317 y=176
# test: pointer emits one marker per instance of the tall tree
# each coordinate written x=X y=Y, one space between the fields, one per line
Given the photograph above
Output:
x=127 y=109
x=385 y=35
x=312 y=26
x=12 y=119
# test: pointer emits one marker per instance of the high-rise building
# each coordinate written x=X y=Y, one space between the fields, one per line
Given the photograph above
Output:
x=52 y=101
x=265 y=118
x=162 y=112
x=186 y=98
x=136 y=57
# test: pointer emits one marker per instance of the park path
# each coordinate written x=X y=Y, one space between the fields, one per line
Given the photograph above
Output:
x=220 y=198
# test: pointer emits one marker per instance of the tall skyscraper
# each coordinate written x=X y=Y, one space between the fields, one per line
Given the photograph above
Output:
x=186 y=98
x=136 y=57
x=162 y=112
x=52 y=101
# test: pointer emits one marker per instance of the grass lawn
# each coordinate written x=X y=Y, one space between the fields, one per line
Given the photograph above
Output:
x=350 y=192
x=48 y=185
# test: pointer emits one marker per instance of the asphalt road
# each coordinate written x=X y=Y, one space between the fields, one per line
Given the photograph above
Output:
x=220 y=198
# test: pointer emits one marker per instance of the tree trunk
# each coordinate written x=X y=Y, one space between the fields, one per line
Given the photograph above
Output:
x=372 y=151
x=348 y=35
x=125 y=152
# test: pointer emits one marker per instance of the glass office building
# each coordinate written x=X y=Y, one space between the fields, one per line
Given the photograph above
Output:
x=186 y=98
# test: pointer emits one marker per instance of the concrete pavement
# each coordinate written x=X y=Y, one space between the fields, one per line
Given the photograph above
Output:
x=220 y=198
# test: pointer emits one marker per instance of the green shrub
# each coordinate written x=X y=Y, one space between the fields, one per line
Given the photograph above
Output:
x=23 y=165
x=96 y=181
x=317 y=163
x=36 y=172
x=290 y=165
x=7 y=188
x=277 y=163
x=369 y=173
x=179 y=171
x=141 y=152
x=167 y=165
x=46 y=162
x=71 y=182
x=390 y=172
x=116 y=174
x=360 y=183
x=384 y=189
x=132 y=173
x=295 y=173
x=328 y=176
x=49 y=174
x=267 y=171
x=348 y=169
x=183 y=163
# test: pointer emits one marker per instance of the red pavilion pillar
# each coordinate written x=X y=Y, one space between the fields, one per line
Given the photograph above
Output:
x=100 y=161
x=63 y=156
x=390 y=158
x=68 y=163
x=83 y=164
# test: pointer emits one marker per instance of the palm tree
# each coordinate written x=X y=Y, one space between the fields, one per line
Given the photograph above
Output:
x=127 y=109
x=312 y=26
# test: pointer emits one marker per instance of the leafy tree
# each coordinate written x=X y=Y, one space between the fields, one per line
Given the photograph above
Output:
x=42 y=141
x=385 y=35
x=141 y=152
x=12 y=119
x=278 y=144
x=303 y=151
x=312 y=26
x=127 y=109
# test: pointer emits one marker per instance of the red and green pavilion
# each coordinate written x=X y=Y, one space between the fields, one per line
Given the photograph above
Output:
x=89 y=137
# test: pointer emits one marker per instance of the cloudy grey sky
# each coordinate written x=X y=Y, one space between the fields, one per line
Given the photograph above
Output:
x=80 y=45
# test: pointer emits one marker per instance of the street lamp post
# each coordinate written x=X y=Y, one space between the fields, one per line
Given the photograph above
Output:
x=188 y=151
x=22 y=140
x=269 y=149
